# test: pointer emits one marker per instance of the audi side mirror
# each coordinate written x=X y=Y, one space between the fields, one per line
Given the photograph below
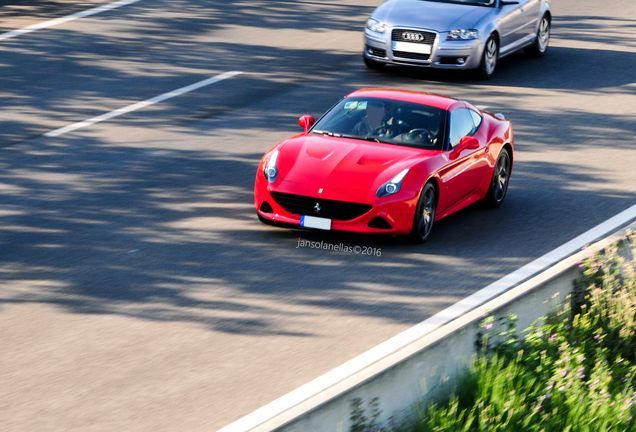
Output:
x=306 y=122
x=503 y=3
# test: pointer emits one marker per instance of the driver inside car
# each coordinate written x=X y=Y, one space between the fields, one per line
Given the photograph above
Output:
x=375 y=122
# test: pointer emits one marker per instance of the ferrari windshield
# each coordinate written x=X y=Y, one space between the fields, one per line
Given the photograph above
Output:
x=385 y=120
x=467 y=2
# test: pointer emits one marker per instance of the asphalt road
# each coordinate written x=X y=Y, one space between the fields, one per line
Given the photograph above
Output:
x=138 y=291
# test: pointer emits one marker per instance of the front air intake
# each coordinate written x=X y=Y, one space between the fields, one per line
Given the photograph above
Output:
x=266 y=207
x=380 y=223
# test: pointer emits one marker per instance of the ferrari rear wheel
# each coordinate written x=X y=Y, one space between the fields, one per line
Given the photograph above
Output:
x=500 y=179
x=424 y=215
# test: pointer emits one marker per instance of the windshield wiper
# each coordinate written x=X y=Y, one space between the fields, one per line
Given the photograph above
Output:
x=366 y=138
x=321 y=132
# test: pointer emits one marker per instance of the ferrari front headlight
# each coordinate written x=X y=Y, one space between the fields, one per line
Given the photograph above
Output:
x=463 y=34
x=270 y=170
x=375 y=26
x=392 y=186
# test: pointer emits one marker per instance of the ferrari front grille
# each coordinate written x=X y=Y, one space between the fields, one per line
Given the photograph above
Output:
x=330 y=209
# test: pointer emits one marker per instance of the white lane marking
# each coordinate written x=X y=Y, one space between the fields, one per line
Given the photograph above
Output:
x=403 y=339
x=143 y=104
x=62 y=20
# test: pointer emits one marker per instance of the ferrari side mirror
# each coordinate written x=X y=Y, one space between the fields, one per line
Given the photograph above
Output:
x=306 y=122
x=467 y=142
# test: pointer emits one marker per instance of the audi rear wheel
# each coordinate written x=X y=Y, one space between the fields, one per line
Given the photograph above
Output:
x=540 y=45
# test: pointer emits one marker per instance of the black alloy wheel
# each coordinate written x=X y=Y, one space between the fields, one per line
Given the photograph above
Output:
x=424 y=214
x=500 y=180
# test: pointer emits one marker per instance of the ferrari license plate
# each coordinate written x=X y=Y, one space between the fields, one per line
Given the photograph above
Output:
x=315 y=222
x=412 y=47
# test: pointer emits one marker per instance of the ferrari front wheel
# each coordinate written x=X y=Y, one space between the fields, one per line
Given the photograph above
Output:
x=500 y=179
x=424 y=214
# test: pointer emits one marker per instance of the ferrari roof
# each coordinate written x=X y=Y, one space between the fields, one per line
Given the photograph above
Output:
x=429 y=99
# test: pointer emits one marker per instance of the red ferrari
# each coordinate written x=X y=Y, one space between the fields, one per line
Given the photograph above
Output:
x=386 y=162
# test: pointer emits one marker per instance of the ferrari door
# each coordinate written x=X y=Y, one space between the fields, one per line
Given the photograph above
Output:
x=466 y=167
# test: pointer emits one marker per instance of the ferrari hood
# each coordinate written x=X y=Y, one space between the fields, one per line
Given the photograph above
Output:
x=340 y=163
x=441 y=17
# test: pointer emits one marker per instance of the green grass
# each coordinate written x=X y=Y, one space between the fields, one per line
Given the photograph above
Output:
x=574 y=372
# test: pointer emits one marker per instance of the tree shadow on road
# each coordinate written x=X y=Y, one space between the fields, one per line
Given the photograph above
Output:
x=166 y=231
x=171 y=235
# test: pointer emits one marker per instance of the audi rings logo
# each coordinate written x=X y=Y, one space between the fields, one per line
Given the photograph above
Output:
x=412 y=36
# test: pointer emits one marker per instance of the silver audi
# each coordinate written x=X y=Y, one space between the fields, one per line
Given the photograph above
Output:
x=455 y=34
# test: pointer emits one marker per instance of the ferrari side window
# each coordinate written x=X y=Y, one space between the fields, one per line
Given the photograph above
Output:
x=461 y=125
x=476 y=119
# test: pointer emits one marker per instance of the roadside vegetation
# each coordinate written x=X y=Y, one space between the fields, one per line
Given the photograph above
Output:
x=574 y=372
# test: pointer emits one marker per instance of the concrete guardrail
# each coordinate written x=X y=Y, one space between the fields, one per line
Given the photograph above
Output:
x=415 y=365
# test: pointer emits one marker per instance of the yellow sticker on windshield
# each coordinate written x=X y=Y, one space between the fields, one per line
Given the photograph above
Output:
x=350 y=105
x=362 y=105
